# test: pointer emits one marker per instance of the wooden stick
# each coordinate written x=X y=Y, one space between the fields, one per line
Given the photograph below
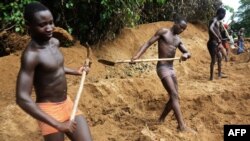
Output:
x=112 y=63
x=79 y=93
x=231 y=45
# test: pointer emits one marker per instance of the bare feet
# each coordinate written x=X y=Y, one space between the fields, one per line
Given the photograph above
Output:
x=211 y=78
x=222 y=75
x=186 y=129
x=161 y=119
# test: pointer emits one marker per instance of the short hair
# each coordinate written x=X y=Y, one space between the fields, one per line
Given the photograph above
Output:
x=178 y=19
x=32 y=8
x=221 y=11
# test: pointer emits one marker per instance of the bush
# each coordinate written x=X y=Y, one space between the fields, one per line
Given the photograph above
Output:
x=97 y=20
x=11 y=15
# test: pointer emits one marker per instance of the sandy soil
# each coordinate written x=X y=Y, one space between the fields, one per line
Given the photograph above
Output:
x=123 y=103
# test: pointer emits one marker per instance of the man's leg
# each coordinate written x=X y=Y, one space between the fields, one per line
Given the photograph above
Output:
x=167 y=109
x=240 y=48
x=54 y=137
x=168 y=106
x=211 y=49
x=169 y=84
x=219 y=57
x=82 y=132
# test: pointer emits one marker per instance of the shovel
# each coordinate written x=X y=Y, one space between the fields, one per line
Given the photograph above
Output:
x=227 y=34
x=112 y=63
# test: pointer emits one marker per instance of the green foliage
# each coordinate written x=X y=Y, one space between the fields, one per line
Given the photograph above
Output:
x=230 y=9
x=192 y=10
x=116 y=14
x=243 y=15
x=97 y=20
x=11 y=15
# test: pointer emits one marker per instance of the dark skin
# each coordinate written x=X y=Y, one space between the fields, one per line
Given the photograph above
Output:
x=215 y=46
x=42 y=66
x=168 y=42
x=224 y=40
x=240 y=34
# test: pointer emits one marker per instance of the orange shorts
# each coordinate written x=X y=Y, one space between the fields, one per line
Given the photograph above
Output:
x=60 y=111
x=225 y=45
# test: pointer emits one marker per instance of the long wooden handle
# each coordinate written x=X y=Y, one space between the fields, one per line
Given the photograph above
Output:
x=79 y=93
x=225 y=30
x=148 y=60
x=112 y=63
x=227 y=34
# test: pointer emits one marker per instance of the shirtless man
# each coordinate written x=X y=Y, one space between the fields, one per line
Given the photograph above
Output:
x=214 y=43
x=225 y=38
x=168 y=42
x=241 y=41
x=42 y=65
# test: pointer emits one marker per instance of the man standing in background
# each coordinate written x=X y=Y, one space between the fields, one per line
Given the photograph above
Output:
x=240 y=41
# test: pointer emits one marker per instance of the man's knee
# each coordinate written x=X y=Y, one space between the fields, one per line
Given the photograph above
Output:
x=174 y=96
x=54 y=137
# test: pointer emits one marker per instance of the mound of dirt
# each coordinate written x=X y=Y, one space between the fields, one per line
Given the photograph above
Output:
x=123 y=103
x=63 y=36
x=11 y=42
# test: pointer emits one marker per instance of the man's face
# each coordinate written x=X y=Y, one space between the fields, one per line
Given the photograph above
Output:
x=221 y=16
x=180 y=27
x=42 y=25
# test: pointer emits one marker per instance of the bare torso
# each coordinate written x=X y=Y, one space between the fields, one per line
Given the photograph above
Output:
x=49 y=75
x=167 y=45
x=212 y=37
x=240 y=36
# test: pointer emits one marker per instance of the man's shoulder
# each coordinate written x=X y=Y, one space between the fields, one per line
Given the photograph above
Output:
x=213 y=20
x=30 y=52
x=55 y=41
x=162 y=31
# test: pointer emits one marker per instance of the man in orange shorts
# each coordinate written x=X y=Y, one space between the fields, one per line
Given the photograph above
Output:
x=42 y=66
x=60 y=111
x=225 y=39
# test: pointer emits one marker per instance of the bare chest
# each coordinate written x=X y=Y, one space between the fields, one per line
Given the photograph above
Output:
x=51 y=59
x=169 y=43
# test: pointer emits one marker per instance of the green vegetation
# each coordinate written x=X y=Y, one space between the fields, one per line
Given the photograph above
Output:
x=243 y=15
x=11 y=15
x=93 y=21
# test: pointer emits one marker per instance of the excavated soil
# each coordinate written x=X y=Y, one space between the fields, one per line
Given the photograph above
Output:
x=123 y=103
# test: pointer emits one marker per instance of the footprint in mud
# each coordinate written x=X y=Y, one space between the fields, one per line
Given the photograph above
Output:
x=228 y=95
x=155 y=104
x=187 y=130
x=108 y=111
x=153 y=123
x=96 y=121
x=229 y=112
x=148 y=135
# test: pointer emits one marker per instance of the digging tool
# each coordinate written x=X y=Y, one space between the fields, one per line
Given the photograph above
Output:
x=112 y=63
x=79 y=93
x=231 y=40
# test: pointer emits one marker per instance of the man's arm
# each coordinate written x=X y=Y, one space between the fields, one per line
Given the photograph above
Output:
x=212 y=28
x=186 y=55
x=24 y=88
x=146 y=45
x=76 y=72
x=71 y=71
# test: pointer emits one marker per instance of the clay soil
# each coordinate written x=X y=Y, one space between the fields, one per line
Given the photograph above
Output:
x=123 y=103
